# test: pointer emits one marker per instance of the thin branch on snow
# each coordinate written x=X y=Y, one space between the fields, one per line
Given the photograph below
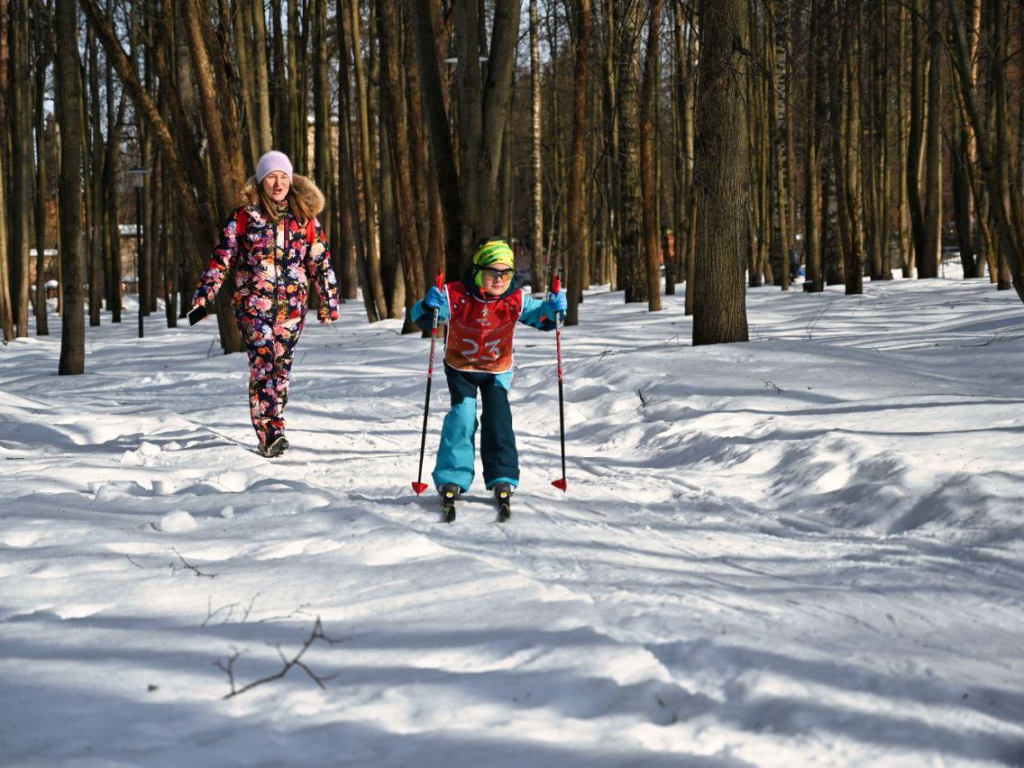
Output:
x=185 y=564
x=291 y=615
x=134 y=563
x=997 y=339
x=230 y=608
x=644 y=401
x=228 y=664
x=210 y=613
x=771 y=385
x=811 y=325
x=248 y=608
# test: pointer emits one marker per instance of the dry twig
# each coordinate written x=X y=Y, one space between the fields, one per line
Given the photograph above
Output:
x=230 y=608
x=644 y=401
x=185 y=564
x=228 y=664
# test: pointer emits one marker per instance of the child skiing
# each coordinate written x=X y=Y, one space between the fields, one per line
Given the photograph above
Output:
x=278 y=246
x=482 y=310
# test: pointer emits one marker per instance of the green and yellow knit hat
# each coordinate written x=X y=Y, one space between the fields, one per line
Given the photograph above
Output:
x=492 y=253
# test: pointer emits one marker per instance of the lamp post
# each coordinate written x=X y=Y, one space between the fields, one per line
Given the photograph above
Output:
x=138 y=176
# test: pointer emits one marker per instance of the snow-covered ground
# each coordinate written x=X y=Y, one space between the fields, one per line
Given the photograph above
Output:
x=805 y=550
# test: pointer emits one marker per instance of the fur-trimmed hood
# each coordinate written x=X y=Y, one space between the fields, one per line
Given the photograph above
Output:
x=302 y=186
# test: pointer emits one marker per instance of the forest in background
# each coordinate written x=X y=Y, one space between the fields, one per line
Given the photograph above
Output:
x=643 y=144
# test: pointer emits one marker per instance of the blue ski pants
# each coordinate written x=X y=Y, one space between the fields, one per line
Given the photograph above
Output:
x=457 y=453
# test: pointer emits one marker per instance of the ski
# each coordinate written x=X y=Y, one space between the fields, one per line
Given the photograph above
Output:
x=449 y=493
x=503 y=494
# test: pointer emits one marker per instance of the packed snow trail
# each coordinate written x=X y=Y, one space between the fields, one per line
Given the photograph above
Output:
x=808 y=549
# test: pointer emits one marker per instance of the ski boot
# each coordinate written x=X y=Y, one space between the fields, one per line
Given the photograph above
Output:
x=449 y=493
x=503 y=493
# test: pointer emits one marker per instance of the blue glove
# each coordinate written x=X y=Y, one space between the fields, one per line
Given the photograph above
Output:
x=435 y=299
x=556 y=303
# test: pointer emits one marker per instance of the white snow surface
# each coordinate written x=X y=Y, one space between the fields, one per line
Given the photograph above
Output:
x=803 y=550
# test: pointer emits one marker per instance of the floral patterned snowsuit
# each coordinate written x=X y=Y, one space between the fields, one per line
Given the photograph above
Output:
x=273 y=266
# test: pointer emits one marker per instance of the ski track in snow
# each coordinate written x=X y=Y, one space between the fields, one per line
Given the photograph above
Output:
x=805 y=550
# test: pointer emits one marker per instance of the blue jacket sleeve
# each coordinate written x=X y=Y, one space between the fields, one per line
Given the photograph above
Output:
x=421 y=317
x=535 y=314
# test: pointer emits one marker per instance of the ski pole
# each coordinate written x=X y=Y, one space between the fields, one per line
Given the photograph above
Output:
x=419 y=486
x=556 y=287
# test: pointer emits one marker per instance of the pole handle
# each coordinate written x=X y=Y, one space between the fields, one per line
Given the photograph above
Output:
x=556 y=286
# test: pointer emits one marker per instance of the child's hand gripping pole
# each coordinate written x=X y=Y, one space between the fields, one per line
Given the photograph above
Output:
x=556 y=287
x=419 y=486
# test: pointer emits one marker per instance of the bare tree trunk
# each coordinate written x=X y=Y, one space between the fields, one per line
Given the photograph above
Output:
x=758 y=218
x=397 y=129
x=931 y=244
x=42 y=36
x=170 y=256
x=675 y=269
x=845 y=123
x=94 y=190
x=22 y=163
x=259 y=26
x=962 y=203
x=430 y=230
x=648 y=104
x=854 y=199
x=1005 y=207
x=877 y=149
x=777 y=119
x=431 y=47
x=613 y=185
x=369 y=186
x=483 y=110
x=6 y=316
x=719 y=177
x=111 y=203
x=579 y=274
x=294 y=116
x=246 y=71
x=392 y=276
x=69 y=114
x=812 y=165
x=916 y=140
x=353 y=254
x=6 y=308
x=689 y=133
x=323 y=165
x=632 y=268
x=902 y=128
x=225 y=154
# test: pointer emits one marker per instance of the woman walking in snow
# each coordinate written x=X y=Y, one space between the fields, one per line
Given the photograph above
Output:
x=278 y=245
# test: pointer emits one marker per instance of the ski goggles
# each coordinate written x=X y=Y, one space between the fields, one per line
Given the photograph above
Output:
x=496 y=274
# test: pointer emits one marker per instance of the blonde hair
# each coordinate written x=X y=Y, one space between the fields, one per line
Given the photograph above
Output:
x=299 y=208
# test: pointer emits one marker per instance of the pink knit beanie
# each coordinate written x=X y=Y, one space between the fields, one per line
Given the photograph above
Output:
x=273 y=161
